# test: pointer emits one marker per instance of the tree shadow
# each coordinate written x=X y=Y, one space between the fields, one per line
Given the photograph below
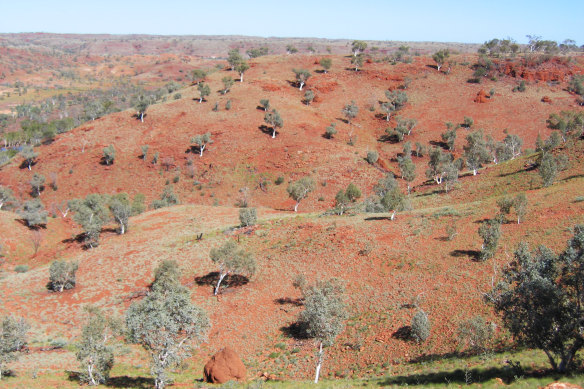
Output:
x=267 y=130
x=342 y=120
x=230 y=280
x=294 y=83
x=296 y=330
x=435 y=67
x=472 y=254
x=573 y=177
x=298 y=302
x=373 y=218
x=33 y=228
x=439 y=144
x=118 y=382
x=403 y=333
x=389 y=138
x=260 y=108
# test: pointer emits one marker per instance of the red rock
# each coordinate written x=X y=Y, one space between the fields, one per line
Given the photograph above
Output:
x=546 y=99
x=224 y=366
x=482 y=97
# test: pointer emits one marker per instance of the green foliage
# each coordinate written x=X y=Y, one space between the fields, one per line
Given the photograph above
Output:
x=94 y=353
x=358 y=47
x=198 y=75
x=279 y=180
x=142 y=105
x=248 y=217
x=62 y=275
x=505 y=204
x=440 y=57
x=233 y=58
x=330 y=131
x=274 y=120
x=121 y=210
x=202 y=140
x=350 y=111
x=109 y=154
x=499 y=47
x=232 y=259
x=540 y=300
x=167 y=198
x=302 y=75
x=228 y=105
x=357 y=61
x=576 y=84
x=12 y=340
x=420 y=327
x=438 y=165
x=91 y=213
x=227 y=84
x=300 y=189
x=204 y=91
x=449 y=136
x=569 y=123
x=21 y=268
x=403 y=127
x=33 y=212
x=475 y=334
x=372 y=156
x=144 y=151
x=475 y=151
x=326 y=64
x=265 y=104
x=420 y=149
x=520 y=87
x=241 y=68
x=407 y=169
x=166 y=323
x=308 y=97
x=37 y=184
x=28 y=154
x=549 y=167
x=138 y=204
x=468 y=122
x=520 y=204
x=324 y=311
x=257 y=52
x=490 y=232
x=290 y=49
x=396 y=100
x=346 y=197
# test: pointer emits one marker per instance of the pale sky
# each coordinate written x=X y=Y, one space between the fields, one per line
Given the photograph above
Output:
x=423 y=20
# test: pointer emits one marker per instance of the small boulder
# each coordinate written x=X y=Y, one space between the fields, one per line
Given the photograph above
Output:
x=224 y=366
x=546 y=99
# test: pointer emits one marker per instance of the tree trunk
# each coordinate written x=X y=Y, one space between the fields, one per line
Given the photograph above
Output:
x=273 y=133
x=221 y=276
x=301 y=84
x=241 y=77
x=90 y=373
x=439 y=66
x=474 y=172
x=201 y=100
x=122 y=227
x=392 y=215
x=408 y=188
x=319 y=364
x=142 y=117
x=201 y=148
x=296 y=206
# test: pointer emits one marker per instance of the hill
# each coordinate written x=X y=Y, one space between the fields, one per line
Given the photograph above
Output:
x=390 y=268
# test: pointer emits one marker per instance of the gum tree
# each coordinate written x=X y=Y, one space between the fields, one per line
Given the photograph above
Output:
x=302 y=75
x=324 y=314
x=202 y=141
x=166 y=323
x=274 y=120
x=300 y=189
x=232 y=259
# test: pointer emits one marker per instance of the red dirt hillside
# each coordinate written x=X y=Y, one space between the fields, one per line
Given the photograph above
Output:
x=390 y=268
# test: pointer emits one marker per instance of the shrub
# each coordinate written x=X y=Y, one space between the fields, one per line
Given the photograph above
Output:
x=372 y=157
x=420 y=327
x=21 y=268
x=248 y=217
x=62 y=275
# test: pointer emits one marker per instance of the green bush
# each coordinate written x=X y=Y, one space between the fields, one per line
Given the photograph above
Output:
x=248 y=217
x=21 y=268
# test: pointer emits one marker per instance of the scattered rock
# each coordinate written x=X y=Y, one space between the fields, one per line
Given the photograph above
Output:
x=499 y=381
x=224 y=366
x=546 y=99
x=482 y=97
